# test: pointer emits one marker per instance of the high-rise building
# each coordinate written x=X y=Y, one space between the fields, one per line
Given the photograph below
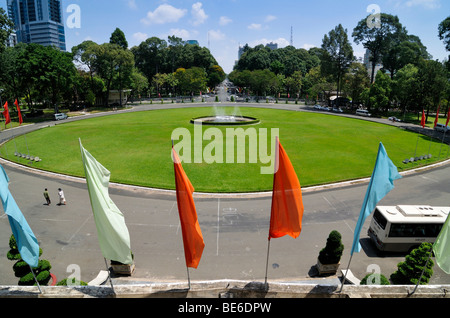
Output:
x=38 y=21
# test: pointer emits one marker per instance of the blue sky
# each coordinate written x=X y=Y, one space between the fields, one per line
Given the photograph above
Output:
x=223 y=25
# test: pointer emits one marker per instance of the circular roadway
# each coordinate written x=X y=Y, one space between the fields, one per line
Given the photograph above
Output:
x=234 y=227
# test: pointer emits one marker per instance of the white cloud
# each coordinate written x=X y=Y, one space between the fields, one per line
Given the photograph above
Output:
x=216 y=35
x=224 y=21
x=165 y=13
x=308 y=46
x=198 y=14
x=132 y=4
x=427 y=4
x=180 y=33
x=255 y=26
x=282 y=42
x=270 y=18
x=140 y=37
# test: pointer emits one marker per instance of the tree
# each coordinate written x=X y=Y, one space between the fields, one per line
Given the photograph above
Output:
x=216 y=76
x=377 y=39
x=337 y=54
x=432 y=81
x=355 y=81
x=410 y=270
x=115 y=65
x=405 y=86
x=380 y=92
x=405 y=50
x=444 y=32
x=6 y=28
x=118 y=37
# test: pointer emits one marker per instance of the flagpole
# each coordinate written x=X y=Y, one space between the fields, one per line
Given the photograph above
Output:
x=423 y=271
x=276 y=166
x=365 y=206
x=37 y=283
x=109 y=275
x=189 y=278
x=267 y=263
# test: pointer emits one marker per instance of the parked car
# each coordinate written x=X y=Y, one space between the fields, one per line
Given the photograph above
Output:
x=318 y=107
x=363 y=112
x=442 y=128
x=337 y=110
x=60 y=116
x=393 y=118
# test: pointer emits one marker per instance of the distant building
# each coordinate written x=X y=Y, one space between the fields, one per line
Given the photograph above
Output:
x=12 y=40
x=193 y=42
x=38 y=21
x=272 y=46
x=368 y=63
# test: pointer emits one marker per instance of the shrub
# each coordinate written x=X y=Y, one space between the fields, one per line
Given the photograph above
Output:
x=375 y=278
x=410 y=270
x=74 y=282
x=332 y=252
x=23 y=270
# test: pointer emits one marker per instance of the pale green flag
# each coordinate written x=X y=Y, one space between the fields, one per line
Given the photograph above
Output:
x=113 y=234
x=441 y=247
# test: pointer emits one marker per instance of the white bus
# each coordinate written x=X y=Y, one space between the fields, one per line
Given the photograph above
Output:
x=402 y=228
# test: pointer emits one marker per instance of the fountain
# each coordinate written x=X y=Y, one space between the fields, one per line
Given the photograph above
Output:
x=225 y=120
x=220 y=115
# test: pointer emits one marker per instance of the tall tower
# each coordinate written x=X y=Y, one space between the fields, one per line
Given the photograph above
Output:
x=38 y=21
x=292 y=36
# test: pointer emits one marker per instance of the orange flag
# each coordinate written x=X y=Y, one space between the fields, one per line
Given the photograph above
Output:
x=287 y=203
x=422 y=122
x=190 y=228
x=6 y=114
x=19 y=113
x=437 y=116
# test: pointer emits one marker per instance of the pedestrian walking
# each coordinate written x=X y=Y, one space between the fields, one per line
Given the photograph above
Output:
x=47 y=196
x=62 y=199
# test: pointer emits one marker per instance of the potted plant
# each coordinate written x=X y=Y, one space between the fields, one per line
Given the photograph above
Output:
x=123 y=269
x=329 y=257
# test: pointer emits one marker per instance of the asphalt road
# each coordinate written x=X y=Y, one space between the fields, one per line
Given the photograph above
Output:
x=235 y=229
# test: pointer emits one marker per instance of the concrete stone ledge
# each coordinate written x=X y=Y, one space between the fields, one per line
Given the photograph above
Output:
x=226 y=289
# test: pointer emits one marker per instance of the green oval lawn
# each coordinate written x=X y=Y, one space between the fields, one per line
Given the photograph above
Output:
x=136 y=148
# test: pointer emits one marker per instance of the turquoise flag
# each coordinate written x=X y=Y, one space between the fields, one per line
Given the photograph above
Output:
x=381 y=182
x=26 y=241
x=441 y=247
x=112 y=231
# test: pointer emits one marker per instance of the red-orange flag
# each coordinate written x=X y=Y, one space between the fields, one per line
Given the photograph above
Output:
x=437 y=116
x=6 y=114
x=190 y=228
x=422 y=122
x=18 y=111
x=287 y=203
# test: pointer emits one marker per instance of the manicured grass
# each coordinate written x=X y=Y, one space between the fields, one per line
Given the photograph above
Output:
x=136 y=148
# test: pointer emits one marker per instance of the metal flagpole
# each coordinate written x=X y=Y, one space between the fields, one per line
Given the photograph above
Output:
x=345 y=275
x=423 y=271
x=189 y=278
x=37 y=283
x=109 y=275
x=267 y=262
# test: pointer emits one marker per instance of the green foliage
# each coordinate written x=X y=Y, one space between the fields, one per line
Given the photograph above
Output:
x=71 y=282
x=371 y=279
x=332 y=252
x=23 y=271
x=410 y=270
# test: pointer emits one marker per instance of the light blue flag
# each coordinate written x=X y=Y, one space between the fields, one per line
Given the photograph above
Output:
x=381 y=182
x=26 y=241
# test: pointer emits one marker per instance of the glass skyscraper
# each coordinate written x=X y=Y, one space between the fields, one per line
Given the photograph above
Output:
x=38 y=21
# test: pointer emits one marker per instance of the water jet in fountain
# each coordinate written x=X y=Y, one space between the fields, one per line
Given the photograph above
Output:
x=225 y=120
